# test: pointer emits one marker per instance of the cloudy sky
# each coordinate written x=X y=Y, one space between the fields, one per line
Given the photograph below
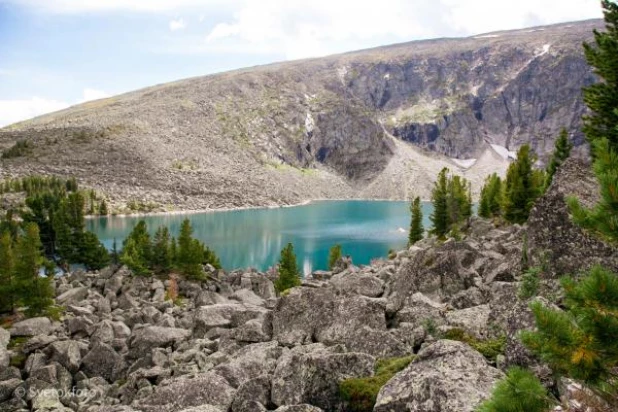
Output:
x=56 y=53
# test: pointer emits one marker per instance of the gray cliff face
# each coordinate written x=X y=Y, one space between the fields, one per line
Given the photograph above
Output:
x=335 y=127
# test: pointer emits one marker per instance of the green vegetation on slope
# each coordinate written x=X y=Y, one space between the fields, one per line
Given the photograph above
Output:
x=360 y=394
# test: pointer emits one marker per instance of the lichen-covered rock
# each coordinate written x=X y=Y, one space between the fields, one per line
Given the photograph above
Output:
x=439 y=273
x=103 y=361
x=250 y=362
x=7 y=387
x=178 y=394
x=72 y=295
x=296 y=320
x=365 y=284
x=553 y=239
x=446 y=376
x=67 y=353
x=32 y=327
x=473 y=320
x=252 y=395
x=311 y=374
x=143 y=340
x=224 y=315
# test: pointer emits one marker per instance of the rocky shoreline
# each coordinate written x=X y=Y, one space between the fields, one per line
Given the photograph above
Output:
x=232 y=344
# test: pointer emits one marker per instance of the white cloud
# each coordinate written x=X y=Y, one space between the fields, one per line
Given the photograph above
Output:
x=306 y=29
x=93 y=94
x=16 y=110
x=86 y=6
x=12 y=111
x=177 y=24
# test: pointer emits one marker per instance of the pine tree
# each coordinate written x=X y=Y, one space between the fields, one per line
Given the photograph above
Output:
x=137 y=250
x=161 y=258
x=602 y=219
x=521 y=187
x=581 y=342
x=289 y=276
x=132 y=257
x=7 y=269
x=92 y=253
x=103 y=211
x=115 y=255
x=440 y=216
x=602 y=97
x=190 y=252
x=416 y=222
x=334 y=254
x=519 y=391
x=35 y=291
x=211 y=258
x=562 y=150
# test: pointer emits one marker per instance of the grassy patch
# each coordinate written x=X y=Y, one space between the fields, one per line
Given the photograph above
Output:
x=17 y=342
x=18 y=360
x=55 y=312
x=489 y=348
x=20 y=149
x=361 y=393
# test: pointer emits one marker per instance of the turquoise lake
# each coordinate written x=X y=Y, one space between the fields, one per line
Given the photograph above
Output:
x=255 y=237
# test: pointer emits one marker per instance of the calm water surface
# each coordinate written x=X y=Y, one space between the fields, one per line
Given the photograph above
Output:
x=255 y=237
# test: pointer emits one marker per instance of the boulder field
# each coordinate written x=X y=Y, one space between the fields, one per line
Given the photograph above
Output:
x=231 y=344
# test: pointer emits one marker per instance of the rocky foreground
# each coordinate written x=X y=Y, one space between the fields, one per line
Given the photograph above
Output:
x=230 y=344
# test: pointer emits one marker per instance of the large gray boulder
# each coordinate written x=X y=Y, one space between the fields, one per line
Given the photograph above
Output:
x=250 y=362
x=446 y=376
x=32 y=327
x=7 y=387
x=438 y=273
x=178 y=394
x=252 y=395
x=354 y=283
x=72 y=296
x=103 y=361
x=143 y=340
x=67 y=353
x=224 y=315
x=308 y=315
x=311 y=374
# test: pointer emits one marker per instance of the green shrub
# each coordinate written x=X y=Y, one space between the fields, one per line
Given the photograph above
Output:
x=18 y=361
x=529 y=283
x=580 y=342
x=19 y=149
x=489 y=348
x=361 y=393
x=520 y=391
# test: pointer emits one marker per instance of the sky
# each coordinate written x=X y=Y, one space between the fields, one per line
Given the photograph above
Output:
x=57 y=53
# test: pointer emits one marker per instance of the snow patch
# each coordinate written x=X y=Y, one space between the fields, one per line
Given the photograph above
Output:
x=464 y=163
x=341 y=73
x=487 y=36
x=543 y=51
x=387 y=76
x=309 y=123
x=504 y=152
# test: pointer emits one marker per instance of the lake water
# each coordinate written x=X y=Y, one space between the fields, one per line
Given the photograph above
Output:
x=255 y=237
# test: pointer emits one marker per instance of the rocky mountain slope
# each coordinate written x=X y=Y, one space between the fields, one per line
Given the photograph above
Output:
x=232 y=345
x=376 y=123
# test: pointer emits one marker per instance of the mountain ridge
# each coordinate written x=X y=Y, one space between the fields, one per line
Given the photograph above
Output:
x=318 y=128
